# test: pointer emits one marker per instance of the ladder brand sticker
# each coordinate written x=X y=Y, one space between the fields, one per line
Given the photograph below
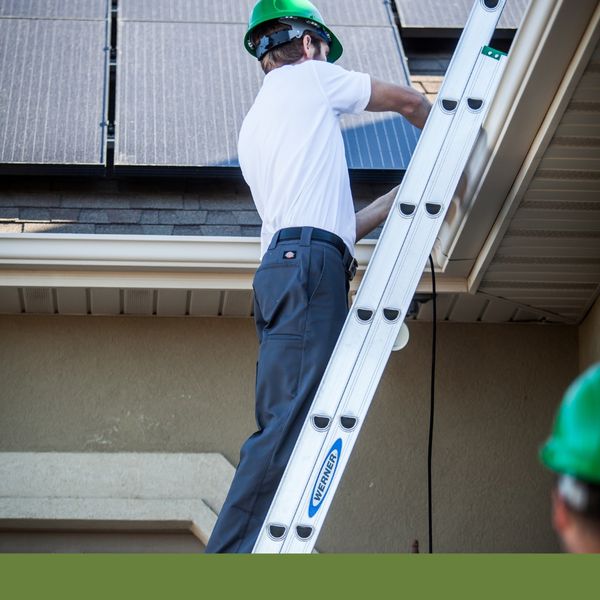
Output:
x=325 y=477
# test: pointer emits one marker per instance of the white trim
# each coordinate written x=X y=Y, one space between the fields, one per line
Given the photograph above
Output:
x=125 y=279
x=540 y=144
x=159 y=262
x=164 y=280
x=126 y=252
x=522 y=60
x=511 y=126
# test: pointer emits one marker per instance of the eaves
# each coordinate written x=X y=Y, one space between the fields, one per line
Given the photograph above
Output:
x=160 y=275
x=542 y=253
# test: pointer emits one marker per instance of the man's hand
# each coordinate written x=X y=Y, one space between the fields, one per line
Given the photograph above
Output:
x=401 y=99
x=375 y=214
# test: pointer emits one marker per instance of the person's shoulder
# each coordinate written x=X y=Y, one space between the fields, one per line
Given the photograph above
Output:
x=329 y=71
x=325 y=67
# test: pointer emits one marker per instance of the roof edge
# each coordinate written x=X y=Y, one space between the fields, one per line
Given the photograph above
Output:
x=71 y=260
x=541 y=57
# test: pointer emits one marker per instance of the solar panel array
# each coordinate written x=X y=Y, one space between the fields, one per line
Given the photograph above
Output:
x=53 y=82
x=95 y=10
x=365 y=13
x=186 y=11
x=452 y=14
x=184 y=82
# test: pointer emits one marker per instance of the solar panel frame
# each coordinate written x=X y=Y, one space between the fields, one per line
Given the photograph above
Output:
x=159 y=136
x=91 y=10
x=438 y=14
x=50 y=118
x=365 y=13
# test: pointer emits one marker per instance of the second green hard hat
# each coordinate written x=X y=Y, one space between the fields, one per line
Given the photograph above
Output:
x=269 y=10
x=574 y=446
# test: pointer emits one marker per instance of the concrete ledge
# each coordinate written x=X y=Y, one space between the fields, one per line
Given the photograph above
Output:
x=116 y=491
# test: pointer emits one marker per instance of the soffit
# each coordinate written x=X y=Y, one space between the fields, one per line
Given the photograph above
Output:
x=531 y=234
x=549 y=256
x=150 y=301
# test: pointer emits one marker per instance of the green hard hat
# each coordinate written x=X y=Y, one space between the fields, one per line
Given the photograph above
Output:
x=302 y=11
x=574 y=445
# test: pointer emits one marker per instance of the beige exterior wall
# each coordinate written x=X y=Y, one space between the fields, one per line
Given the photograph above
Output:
x=85 y=384
x=589 y=339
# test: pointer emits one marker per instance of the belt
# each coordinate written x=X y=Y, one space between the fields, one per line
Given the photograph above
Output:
x=320 y=235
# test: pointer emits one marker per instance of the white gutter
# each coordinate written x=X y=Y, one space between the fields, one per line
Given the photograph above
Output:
x=139 y=252
x=139 y=261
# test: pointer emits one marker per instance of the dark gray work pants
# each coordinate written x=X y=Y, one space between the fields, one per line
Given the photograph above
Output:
x=301 y=303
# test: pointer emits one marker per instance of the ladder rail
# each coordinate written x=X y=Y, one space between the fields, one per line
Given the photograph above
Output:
x=378 y=346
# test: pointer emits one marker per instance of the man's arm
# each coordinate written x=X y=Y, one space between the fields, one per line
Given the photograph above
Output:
x=375 y=214
x=401 y=99
x=410 y=104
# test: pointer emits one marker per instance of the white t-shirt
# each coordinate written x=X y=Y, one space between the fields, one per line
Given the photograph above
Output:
x=291 y=149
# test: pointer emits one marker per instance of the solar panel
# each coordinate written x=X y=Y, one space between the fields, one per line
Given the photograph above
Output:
x=96 y=10
x=186 y=11
x=452 y=14
x=378 y=141
x=335 y=12
x=183 y=88
x=53 y=76
x=180 y=102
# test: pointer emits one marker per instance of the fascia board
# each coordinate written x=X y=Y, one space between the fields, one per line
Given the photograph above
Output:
x=163 y=262
x=139 y=252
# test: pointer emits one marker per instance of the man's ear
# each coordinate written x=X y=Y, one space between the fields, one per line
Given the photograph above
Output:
x=561 y=518
x=306 y=45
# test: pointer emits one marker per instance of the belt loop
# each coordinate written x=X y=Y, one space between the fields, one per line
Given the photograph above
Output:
x=350 y=264
x=306 y=236
x=347 y=256
x=274 y=240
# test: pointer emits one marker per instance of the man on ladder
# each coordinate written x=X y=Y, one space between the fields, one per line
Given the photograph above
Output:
x=292 y=156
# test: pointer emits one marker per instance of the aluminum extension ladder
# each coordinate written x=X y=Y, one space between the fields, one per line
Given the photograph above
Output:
x=341 y=403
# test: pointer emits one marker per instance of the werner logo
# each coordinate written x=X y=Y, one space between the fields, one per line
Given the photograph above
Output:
x=324 y=478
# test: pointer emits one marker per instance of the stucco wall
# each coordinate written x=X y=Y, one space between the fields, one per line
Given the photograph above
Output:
x=186 y=385
x=589 y=338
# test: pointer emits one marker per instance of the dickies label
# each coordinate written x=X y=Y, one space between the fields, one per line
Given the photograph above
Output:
x=289 y=254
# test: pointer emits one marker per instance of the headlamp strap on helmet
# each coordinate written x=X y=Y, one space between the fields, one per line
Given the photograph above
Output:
x=579 y=495
x=573 y=492
x=298 y=28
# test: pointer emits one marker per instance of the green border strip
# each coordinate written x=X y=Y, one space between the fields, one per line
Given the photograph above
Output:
x=368 y=577
x=493 y=53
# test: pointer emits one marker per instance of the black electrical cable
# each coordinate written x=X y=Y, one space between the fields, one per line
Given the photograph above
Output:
x=431 y=407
